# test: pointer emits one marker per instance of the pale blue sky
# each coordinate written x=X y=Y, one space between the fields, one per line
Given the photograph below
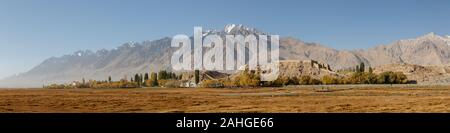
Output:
x=33 y=30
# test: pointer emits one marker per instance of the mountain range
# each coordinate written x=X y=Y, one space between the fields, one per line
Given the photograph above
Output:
x=150 y=56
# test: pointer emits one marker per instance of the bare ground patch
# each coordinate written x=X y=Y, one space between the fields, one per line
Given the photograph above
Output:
x=291 y=99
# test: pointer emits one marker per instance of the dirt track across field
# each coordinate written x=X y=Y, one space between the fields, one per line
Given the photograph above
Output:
x=288 y=99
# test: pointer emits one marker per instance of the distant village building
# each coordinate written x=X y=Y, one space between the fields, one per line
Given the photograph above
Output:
x=188 y=84
x=316 y=64
x=75 y=83
x=189 y=81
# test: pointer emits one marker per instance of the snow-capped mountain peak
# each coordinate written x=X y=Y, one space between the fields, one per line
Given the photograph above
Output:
x=131 y=44
x=83 y=53
x=430 y=35
x=447 y=39
x=240 y=29
x=434 y=36
x=229 y=27
x=128 y=45
x=209 y=32
x=101 y=52
x=234 y=29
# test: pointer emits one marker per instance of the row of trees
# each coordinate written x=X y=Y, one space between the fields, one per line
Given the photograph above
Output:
x=94 y=84
x=388 y=77
x=358 y=68
x=360 y=76
x=139 y=80
x=155 y=79
x=247 y=78
x=251 y=80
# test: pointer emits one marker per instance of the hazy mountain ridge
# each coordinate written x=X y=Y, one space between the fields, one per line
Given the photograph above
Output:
x=125 y=60
x=430 y=49
x=132 y=57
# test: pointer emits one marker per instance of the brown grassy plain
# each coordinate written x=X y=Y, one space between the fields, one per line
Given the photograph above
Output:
x=286 y=99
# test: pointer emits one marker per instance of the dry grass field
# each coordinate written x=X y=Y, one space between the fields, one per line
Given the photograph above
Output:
x=286 y=99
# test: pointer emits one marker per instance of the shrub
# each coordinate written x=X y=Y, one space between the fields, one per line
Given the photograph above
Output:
x=401 y=78
x=392 y=78
x=248 y=79
x=293 y=81
x=305 y=80
x=357 y=78
x=386 y=78
x=211 y=84
x=172 y=83
x=329 y=80
x=280 y=81
x=371 y=78
x=315 y=81
x=153 y=79
x=162 y=82
x=228 y=83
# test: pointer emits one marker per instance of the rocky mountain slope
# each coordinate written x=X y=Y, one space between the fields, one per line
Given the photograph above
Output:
x=429 y=49
x=297 y=68
x=421 y=74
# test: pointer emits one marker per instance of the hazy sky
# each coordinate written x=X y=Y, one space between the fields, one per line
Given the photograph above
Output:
x=33 y=30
